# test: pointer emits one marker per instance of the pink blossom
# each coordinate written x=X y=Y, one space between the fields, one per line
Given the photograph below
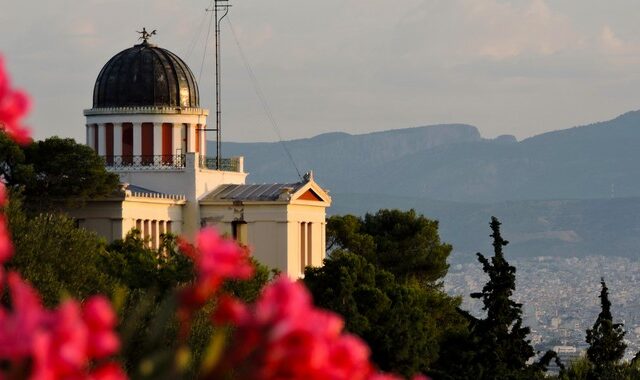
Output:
x=60 y=343
x=18 y=325
x=6 y=247
x=216 y=259
x=100 y=320
x=230 y=310
x=283 y=336
x=108 y=371
x=3 y=194
x=14 y=105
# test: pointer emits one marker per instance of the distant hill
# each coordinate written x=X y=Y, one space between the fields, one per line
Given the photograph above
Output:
x=608 y=227
x=453 y=162
x=337 y=157
x=553 y=191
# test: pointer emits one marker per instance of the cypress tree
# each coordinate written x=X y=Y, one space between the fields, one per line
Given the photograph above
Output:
x=503 y=348
x=605 y=339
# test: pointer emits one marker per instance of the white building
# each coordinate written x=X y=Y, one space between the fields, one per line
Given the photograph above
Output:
x=147 y=123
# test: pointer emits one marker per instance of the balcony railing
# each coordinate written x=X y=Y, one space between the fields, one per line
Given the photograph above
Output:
x=163 y=162
x=226 y=164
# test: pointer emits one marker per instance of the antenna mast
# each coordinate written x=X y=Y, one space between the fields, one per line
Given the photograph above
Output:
x=220 y=10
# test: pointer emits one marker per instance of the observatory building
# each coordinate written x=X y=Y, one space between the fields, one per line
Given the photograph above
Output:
x=147 y=124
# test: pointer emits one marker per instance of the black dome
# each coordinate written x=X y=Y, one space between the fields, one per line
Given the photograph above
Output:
x=146 y=75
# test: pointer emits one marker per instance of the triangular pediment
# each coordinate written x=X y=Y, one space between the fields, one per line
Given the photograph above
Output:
x=310 y=195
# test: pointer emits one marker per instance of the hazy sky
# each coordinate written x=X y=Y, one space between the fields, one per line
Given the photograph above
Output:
x=516 y=67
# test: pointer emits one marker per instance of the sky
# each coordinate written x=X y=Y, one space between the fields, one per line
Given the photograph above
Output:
x=519 y=67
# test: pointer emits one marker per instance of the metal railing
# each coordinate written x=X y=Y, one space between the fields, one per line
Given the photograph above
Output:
x=162 y=162
x=226 y=164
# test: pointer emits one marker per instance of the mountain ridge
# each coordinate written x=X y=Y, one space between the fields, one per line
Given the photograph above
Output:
x=572 y=191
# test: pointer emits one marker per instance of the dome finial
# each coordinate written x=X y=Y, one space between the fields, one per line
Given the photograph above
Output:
x=144 y=35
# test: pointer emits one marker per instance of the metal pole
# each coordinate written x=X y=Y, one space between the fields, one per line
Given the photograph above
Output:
x=218 y=110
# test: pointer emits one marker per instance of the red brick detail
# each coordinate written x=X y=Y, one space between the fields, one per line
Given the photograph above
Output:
x=109 y=142
x=167 y=142
x=147 y=143
x=127 y=143
x=310 y=195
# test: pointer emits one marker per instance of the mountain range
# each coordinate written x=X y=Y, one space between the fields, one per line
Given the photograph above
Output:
x=569 y=192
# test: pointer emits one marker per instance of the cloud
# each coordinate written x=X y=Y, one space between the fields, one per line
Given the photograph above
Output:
x=464 y=30
x=609 y=41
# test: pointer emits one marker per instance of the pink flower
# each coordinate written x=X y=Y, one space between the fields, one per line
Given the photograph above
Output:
x=230 y=310
x=216 y=260
x=3 y=194
x=221 y=258
x=108 y=371
x=61 y=344
x=6 y=247
x=101 y=320
x=17 y=326
x=283 y=336
x=14 y=105
x=58 y=344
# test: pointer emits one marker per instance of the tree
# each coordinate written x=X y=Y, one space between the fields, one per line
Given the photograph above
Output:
x=605 y=339
x=58 y=258
x=65 y=170
x=401 y=242
x=501 y=339
x=138 y=266
x=13 y=169
x=402 y=322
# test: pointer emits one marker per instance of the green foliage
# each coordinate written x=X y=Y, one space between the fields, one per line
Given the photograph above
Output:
x=401 y=242
x=402 y=322
x=55 y=256
x=151 y=332
x=500 y=338
x=13 y=169
x=249 y=290
x=61 y=169
x=606 y=341
x=139 y=267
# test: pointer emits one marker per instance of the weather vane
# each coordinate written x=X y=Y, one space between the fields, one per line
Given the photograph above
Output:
x=144 y=35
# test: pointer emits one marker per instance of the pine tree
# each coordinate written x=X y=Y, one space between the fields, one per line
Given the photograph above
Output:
x=605 y=339
x=503 y=348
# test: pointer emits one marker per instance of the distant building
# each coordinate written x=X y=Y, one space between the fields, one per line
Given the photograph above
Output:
x=567 y=354
x=147 y=123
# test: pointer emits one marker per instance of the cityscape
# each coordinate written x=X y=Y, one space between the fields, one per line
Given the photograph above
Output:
x=560 y=296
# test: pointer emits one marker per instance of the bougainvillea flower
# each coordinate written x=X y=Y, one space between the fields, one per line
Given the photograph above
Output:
x=108 y=371
x=283 y=336
x=14 y=105
x=101 y=321
x=18 y=325
x=6 y=247
x=216 y=259
x=57 y=344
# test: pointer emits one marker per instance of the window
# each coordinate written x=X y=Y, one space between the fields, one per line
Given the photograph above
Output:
x=309 y=246
x=239 y=231
x=303 y=246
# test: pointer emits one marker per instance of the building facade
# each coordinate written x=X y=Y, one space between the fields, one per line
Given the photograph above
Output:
x=147 y=124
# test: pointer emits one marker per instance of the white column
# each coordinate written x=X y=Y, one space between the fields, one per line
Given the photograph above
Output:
x=137 y=139
x=91 y=136
x=102 y=140
x=191 y=137
x=323 y=242
x=154 y=234
x=88 y=135
x=203 y=141
x=117 y=139
x=176 y=131
x=157 y=139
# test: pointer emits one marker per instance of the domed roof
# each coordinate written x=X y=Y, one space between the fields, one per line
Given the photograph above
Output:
x=146 y=75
